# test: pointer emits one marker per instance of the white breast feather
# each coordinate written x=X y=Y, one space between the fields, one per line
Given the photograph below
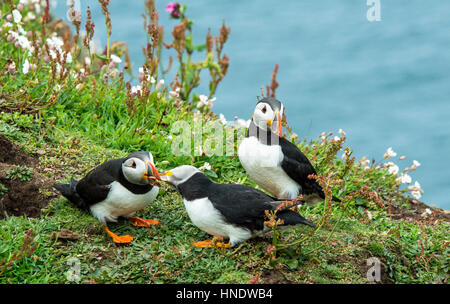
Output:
x=121 y=202
x=263 y=165
x=203 y=215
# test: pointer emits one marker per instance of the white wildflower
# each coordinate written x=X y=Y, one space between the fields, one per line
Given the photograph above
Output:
x=30 y=16
x=175 y=94
x=205 y=101
x=392 y=168
x=426 y=213
x=116 y=59
x=416 y=190
x=222 y=119
x=55 y=41
x=416 y=194
x=364 y=162
x=7 y=25
x=26 y=67
x=206 y=166
x=342 y=133
x=135 y=89
x=389 y=153
x=160 y=84
x=25 y=43
x=17 y=16
x=69 y=58
x=336 y=138
x=87 y=60
x=404 y=178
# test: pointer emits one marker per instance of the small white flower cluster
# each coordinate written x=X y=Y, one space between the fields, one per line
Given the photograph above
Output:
x=143 y=75
x=34 y=5
x=205 y=102
x=237 y=123
x=403 y=177
x=427 y=212
x=175 y=94
x=20 y=38
x=206 y=166
x=415 y=189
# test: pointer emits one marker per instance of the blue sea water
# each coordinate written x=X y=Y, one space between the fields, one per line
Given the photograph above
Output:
x=386 y=83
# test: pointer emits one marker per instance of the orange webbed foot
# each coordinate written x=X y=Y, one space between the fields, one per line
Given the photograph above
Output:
x=211 y=243
x=138 y=222
x=119 y=239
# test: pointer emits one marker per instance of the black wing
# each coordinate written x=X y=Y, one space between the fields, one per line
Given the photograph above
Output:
x=297 y=166
x=245 y=206
x=94 y=187
x=241 y=205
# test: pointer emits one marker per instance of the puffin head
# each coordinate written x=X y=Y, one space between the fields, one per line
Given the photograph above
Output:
x=138 y=168
x=179 y=175
x=269 y=113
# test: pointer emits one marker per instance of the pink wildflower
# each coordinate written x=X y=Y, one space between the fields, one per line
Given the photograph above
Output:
x=173 y=8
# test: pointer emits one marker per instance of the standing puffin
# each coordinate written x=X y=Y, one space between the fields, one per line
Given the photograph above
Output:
x=274 y=163
x=118 y=187
x=232 y=211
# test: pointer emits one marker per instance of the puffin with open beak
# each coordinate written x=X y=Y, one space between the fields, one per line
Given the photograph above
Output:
x=116 y=188
x=227 y=211
x=273 y=162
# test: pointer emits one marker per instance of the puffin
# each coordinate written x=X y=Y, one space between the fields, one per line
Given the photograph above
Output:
x=116 y=188
x=227 y=211
x=273 y=162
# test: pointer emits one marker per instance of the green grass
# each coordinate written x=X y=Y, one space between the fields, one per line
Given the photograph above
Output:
x=164 y=254
x=77 y=123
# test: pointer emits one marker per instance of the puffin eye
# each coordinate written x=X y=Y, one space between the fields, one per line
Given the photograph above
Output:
x=264 y=110
x=133 y=165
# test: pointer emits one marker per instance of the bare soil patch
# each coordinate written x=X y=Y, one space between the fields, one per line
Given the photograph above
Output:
x=416 y=210
x=21 y=197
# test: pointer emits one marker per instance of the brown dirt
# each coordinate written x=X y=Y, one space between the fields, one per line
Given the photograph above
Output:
x=360 y=260
x=273 y=276
x=22 y=197
x=13 y=155
x=414 y=213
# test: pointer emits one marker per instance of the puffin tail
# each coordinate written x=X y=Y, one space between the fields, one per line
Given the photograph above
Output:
x=69 y=191
x=290 y=217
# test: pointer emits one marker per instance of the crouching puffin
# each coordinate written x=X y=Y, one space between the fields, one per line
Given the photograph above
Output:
x=232 y=211
x=118 y=187
x=274 y=163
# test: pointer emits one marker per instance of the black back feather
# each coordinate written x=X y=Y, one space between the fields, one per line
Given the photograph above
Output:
x=95 y=186
x=238 y=204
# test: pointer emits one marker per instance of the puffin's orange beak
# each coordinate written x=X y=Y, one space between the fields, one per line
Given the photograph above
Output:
x=279 y=124
x=155 y=172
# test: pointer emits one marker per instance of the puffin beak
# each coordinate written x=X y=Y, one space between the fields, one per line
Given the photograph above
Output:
x=279 y=124
x=154 y=173
x=165 y=176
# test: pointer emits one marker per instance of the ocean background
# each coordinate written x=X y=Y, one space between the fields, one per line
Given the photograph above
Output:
x=386 y=83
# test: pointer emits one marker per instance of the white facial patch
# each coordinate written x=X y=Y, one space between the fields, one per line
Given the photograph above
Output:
x=263 y=113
